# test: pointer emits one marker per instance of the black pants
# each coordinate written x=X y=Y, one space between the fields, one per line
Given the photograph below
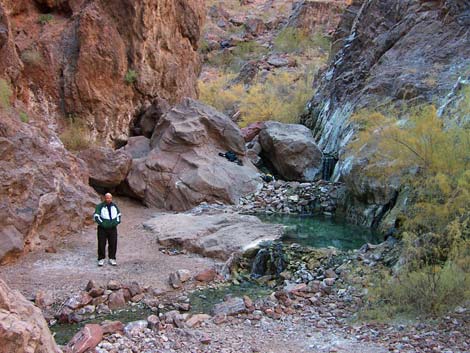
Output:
x=107 y=235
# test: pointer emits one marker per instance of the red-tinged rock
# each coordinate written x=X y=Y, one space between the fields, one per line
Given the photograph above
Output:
x=116 y=300
x=22 y=325
x=86 y=339
x=206 y=276
x=108 y=168
x=205 y=339
x=110 y=327
x=252 y=130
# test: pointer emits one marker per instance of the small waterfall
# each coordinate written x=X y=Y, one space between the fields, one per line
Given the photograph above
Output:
x=269 y=261
x=328 y=166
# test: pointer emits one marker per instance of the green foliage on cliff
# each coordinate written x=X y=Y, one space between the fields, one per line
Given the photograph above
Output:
x=44 y=19
x=130 y=77
x=433 y=161
x=5 y=94
x=279 y=97
x=291 y=40
x=75 y=136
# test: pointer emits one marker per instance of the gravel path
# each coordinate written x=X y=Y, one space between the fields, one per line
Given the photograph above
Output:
x=74 y=264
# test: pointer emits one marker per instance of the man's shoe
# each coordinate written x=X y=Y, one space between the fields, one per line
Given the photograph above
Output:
x=100 y=263
x=112 y=262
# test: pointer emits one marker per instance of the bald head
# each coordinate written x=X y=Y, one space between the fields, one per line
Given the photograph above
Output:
x=108 y=198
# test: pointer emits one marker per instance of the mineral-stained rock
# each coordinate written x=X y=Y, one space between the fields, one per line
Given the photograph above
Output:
x=108 y=168
x=399 y=56
x=22 y=326
x=184 y=168
x=216 y=235
x=291 y=150
x=43 y=188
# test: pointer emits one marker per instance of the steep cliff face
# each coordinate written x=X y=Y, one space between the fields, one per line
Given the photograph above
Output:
x=100 y=60
x=387 y=53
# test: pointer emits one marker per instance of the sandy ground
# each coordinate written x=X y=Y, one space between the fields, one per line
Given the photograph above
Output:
x=75 y=262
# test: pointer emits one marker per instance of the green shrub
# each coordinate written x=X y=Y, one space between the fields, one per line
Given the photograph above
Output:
x=44 y=19
x=24 y=117
x=233 y=60
x=75 y=136
x=130 y=77
x=31 y=56
x=432 y=162
x=5 y=94
x=280 y=97
x=291 y=40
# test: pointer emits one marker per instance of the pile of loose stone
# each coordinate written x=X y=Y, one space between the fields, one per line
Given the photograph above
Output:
x=322 y=302
x=294 y=197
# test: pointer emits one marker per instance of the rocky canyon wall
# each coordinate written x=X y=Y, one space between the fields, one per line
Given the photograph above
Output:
x=396 y=53
x=96 y=61
x=100 y=61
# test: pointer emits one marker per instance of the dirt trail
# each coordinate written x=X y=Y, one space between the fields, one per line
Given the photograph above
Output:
x=75 y=261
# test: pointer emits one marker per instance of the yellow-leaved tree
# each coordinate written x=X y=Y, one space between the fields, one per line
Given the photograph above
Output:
x=433 y=160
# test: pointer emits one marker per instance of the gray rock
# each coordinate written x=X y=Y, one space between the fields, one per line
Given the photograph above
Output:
x=232 y=306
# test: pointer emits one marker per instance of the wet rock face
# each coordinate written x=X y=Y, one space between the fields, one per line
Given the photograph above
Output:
x=292 y=151
x=411 y=52
x=184 y=167
x=100 y=60
x=44 y=189
x=22 y=326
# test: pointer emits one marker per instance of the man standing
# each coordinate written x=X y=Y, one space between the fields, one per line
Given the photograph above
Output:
x=108 y=216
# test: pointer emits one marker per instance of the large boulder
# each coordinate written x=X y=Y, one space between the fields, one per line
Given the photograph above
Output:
x=216 y=235
x=137 y=146
x=291 y=150
x=108 y=168
x=22 y=326
x=184 y=167
x=44 y=189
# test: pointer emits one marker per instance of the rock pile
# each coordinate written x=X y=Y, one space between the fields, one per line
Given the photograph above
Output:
x=294 y=197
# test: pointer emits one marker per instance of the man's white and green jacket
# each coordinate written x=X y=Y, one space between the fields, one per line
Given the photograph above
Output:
x=107 y=216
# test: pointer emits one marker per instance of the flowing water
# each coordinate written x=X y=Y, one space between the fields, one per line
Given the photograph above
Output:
x=321 y=232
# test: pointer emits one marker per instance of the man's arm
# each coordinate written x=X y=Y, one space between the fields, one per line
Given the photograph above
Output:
x=97 y=214
x=118 y=214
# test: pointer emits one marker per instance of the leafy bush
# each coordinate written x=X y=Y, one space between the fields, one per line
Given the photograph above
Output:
x=44 y=19
x=24 y=117
x=75 y=136
x=130 y=77
x=280 y=97
x=31 y=56
x=5 y=94
x=233 y=60
x=433 y=162
x=292 y=40
x=219 y=95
